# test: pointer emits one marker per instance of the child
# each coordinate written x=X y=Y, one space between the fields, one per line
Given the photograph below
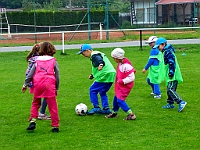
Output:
x=32 y=56
x=45 y=77
x=172 y=74
x=124 y=82
x=154 y=65
x=104 y=74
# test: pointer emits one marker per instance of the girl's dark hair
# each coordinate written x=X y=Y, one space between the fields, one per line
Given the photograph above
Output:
x=33 y=52
x=46 y=48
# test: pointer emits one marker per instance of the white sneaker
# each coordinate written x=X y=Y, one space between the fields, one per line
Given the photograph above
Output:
x=44 y=117
x=152 y=94
x=157 y=96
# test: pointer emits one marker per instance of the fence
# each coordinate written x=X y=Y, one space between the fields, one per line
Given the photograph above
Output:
x=14 y=28
x=65 y=36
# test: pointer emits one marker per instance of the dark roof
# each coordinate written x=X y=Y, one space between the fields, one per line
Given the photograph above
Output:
x=165 y=2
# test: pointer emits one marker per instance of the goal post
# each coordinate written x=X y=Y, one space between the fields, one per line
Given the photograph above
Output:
x=4 y=24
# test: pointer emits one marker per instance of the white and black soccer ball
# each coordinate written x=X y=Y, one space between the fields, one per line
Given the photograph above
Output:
x=81 y=109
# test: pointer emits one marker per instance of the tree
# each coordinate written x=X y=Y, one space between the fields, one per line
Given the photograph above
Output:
x=28 y=5
x=121 y=5
x=11 y=3
x=53 y=4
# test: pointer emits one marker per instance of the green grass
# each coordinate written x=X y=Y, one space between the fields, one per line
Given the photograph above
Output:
x=154 y=128
x=129 y=36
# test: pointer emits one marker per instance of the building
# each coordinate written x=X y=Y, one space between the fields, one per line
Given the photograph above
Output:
x=159 y=12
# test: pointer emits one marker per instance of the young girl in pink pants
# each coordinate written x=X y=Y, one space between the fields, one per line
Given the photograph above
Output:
x=45 y=76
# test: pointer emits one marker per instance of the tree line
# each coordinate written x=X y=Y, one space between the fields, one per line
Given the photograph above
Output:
x=27 y=5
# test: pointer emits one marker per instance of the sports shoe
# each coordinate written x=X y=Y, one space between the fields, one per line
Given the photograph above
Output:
x=44 y=117
x=112 y=115
x=181 y=106
x=168 y=106
x=157 y=96
x=106 y=111
x=152 y=94
x=130 y=117
x=55 y=130
x=31 y=126
x=94 y=111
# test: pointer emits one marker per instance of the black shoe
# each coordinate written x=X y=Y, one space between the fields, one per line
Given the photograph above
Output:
x=55 y=130
x=31 y=126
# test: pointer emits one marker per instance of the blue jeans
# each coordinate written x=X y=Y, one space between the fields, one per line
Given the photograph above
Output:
x=155 y=87
x=101 y=89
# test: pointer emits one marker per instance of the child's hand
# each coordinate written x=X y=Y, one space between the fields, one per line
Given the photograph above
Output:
x=91 y=76
x=100 y=68
x=143 y=71
x=120 y=81
x=24 y=88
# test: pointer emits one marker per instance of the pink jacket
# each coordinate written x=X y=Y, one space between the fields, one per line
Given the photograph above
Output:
x=124 y=79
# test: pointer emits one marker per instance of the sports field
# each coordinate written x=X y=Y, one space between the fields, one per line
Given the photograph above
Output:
x=154 y=127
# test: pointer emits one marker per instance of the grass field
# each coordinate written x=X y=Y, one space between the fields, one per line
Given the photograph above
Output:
x=113 y=37
x=154 y=127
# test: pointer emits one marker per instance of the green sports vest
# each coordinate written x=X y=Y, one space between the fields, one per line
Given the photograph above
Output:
x=177 y=74
x=156 y=73
x=107 y=74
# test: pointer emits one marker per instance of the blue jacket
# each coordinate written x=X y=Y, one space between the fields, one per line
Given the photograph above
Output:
x=169 y=59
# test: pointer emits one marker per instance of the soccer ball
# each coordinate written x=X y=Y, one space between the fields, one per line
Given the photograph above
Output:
x=81 y=109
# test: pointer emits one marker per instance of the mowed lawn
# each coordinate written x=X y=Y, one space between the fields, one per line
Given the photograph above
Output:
x=154 y=128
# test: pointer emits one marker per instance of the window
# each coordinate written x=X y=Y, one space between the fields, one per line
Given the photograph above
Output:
x=140 y=15
x=150 y=15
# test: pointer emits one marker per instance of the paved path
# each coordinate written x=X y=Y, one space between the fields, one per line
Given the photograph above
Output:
x=100 y=45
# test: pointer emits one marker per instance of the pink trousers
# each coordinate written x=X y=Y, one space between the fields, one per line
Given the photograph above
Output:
x=52 y=106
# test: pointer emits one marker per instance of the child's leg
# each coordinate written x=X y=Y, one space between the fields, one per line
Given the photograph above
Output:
x=171 y=92
x=36 y=103
x=103 y=94
x=149 y=83
x=115 y=109
x=124 y=106
x=94 y=89
x=156 y=88
x=43 y=106
x=53 y=109
x=115 y=105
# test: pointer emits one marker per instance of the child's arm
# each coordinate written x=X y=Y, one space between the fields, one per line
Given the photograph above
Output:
x=97 y=61
x=170 y=60
x=29 y=78
x=130 y=77
x=57 y=74
x=152 y=61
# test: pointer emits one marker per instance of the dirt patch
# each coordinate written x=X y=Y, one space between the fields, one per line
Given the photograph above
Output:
x=31 y=38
